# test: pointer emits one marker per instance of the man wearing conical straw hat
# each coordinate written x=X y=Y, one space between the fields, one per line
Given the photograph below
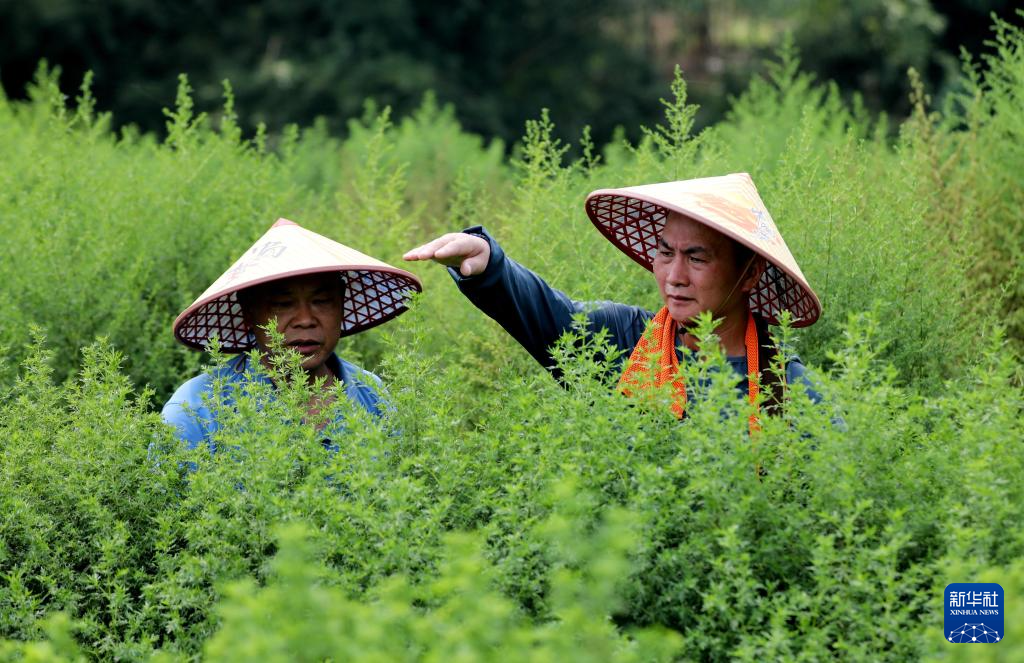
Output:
x=317 y=290
x=711 y=245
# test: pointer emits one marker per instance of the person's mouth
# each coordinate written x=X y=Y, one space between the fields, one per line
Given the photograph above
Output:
x=304 y=346
x=679 y=299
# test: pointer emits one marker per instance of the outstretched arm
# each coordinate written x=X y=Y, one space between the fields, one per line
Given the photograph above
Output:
x=534 y=313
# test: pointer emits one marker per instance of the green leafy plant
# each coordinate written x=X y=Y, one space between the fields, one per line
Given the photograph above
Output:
x=495 y=512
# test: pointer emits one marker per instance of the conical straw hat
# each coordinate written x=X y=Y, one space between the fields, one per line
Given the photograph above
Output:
x=375 y=291
x=632 y=219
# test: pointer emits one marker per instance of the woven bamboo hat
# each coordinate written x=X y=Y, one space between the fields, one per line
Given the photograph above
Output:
x=632 y=219
x=375 y=291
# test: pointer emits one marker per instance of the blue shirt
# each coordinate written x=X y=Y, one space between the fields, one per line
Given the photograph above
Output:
x=536 y=315
x=189 y=412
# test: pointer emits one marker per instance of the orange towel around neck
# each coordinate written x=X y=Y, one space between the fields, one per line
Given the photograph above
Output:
x=659 y=342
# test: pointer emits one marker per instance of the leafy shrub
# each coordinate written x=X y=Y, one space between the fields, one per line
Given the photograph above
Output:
x=981 y=169
x=495 y=512
x=840 y=523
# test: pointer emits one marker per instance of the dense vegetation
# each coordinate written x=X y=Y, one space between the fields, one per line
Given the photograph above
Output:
x=496 y=513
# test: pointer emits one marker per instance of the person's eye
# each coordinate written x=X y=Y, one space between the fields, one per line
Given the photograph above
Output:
x=322 y=301
x=665 y=253
x=280 y=303
x=696 y=260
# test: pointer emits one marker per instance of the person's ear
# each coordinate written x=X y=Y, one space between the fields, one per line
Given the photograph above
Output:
x=754 y=272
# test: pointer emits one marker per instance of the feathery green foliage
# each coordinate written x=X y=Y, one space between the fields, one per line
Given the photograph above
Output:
x=494 y=513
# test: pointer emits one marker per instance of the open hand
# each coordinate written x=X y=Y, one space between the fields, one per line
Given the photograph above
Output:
x=469 y=253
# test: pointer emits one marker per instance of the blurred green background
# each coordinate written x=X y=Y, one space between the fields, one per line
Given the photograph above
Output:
x=598 y=62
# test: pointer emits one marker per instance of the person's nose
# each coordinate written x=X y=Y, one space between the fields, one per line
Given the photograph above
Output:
x=678 y=272
x=303 y=315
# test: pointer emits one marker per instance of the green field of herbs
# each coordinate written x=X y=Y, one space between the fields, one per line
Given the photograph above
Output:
x=495 y=514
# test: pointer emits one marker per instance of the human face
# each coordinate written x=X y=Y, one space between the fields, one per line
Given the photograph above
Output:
x=696 y=270
x=308 y=310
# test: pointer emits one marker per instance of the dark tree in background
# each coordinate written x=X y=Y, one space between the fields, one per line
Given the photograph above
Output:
x=597 y=62
x=868 y=45
x=293 y=60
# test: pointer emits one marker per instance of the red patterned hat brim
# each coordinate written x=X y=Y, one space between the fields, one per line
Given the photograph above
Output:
x=375 y=292
x=633 y=218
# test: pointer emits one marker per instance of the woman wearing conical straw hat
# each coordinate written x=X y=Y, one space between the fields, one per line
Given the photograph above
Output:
x=711 y=245
x=317 y=290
